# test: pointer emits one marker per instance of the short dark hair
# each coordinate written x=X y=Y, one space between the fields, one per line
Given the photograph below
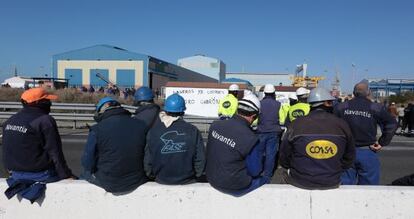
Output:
x=245 y=112
x=361 y=90
x=174 y=114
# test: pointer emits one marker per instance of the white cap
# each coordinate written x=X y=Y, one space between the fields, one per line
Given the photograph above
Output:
x=293 y=96
x=249 y=103
x=269 y=89
x=302 y=91
x=234 y=87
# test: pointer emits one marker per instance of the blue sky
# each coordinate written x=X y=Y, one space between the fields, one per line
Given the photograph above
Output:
x=257 y=36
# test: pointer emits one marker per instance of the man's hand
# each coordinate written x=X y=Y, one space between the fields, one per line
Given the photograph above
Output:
x=375 y=147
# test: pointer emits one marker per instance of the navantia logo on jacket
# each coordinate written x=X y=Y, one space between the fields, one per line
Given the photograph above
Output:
x=321 y=149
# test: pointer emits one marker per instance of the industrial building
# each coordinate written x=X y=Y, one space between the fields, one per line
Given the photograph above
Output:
x=260 y=79
x=102 y=64
x=387 y=87
x=211 y=67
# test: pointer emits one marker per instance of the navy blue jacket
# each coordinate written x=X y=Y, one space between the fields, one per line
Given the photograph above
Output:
x=174 y=155
x=229 y=144
x=363 y=116
x=147 y=113
x=269 y=115
x=317 y=148
x=114 y=152
x=31 y=143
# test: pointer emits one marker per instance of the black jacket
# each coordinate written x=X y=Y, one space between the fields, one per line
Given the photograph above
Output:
x=120 y=142
x=31 y=143
x=147 y=113
x=363 y=116
x=174 y=155
x=229 y=143
x=316 y=149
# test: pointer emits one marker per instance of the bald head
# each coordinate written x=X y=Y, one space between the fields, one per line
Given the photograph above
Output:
x=361 y=90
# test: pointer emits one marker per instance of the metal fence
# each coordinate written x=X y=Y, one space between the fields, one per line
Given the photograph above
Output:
x=80 y=112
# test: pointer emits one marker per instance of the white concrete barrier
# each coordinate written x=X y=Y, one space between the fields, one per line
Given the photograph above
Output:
x=78 y=199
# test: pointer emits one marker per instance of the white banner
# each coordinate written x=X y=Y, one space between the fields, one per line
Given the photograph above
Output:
x=199 y=101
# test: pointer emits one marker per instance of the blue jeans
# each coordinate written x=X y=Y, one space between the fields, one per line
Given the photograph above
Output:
x=365 y=171
x=269 y=145
x=47 y=176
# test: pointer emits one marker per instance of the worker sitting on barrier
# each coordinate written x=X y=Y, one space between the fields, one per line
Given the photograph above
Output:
x=114 y=152
x=228 y=105
x=32 y=148
x=234 y=163
x=317 y=148
x=147 y=110
x=175 y=150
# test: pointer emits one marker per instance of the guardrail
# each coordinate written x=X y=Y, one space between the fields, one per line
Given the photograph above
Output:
x=81 y=112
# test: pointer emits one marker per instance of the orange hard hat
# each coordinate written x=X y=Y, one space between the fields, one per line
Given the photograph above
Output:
x=35 y=94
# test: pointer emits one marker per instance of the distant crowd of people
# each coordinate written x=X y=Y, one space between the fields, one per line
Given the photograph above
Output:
x=312 y=142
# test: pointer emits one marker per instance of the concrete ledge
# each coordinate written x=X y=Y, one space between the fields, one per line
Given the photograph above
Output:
x=79 y=199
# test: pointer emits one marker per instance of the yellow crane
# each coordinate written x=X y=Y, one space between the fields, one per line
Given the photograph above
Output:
x=304 y=80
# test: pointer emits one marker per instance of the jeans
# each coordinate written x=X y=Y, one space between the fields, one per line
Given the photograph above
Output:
x=365 y=171
x=47 y=176
x=269 y=145
x=88 y=176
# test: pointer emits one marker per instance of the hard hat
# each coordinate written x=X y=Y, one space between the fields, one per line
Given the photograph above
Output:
x=249 y=103
x=247 y=92
x=269 y=89
x=234 y=87
x=35 y=94
x=319 y=94
x=174 y=104
x=143 y=94
x=103 y=101
x=302 y=91
x=293 y=96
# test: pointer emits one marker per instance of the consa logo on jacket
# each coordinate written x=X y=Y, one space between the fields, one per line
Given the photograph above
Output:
x=321 y=149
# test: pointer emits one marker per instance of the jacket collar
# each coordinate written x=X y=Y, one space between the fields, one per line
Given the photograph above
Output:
x=241 y=120
x=112 y=112
x=33 y=109
x=146 y=106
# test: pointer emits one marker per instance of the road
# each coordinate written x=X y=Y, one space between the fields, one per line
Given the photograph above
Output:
x=397 y=159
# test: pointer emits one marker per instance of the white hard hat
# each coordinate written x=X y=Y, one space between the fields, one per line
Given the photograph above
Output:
x=318 y=95
x=249 y=103
x=234 y=87
x=269 y=89
x=293 y=96
x=247 y=92
x=302 y=91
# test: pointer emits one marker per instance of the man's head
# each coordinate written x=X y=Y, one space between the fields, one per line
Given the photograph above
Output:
x=38 y=97
x=269 y=90
x=234 y=89
x=361 y=89
x=174 y=105
x=320 y=97
x=302 y=94
x=143 y=94
x=37 y=94
x=106 y=103
x=249 y=107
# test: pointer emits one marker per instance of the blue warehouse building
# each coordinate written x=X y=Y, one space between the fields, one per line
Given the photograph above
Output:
x=97 y=65
x=387 y=87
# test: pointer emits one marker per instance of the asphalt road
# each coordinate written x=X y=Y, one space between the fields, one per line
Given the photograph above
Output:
x=397 y=159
